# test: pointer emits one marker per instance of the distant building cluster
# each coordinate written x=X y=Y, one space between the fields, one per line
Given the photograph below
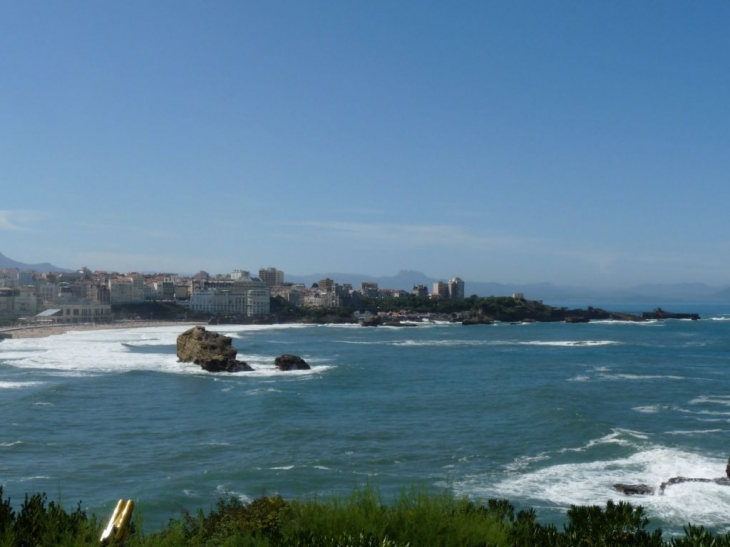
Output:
x=85 y=296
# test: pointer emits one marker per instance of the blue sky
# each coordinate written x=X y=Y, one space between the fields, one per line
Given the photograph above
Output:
x=570 y=142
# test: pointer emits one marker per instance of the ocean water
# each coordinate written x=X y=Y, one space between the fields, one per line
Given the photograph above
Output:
x=545 y=415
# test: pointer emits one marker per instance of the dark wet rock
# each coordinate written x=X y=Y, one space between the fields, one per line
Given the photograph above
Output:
x=634 y=489
x=291 y=362
x=645 y=490
x=679 y=480
x=374 y=321
x=659 y=313
x=214 y=352
x=577 y=319
x=478 y=321
x=617 y=316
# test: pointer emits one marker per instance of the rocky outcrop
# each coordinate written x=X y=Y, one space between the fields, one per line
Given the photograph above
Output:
x=291 y=362
x=577 y=319
x=659 y=313
x=373 y=321
x=617 y=316
x=212 y=351
x=644 y=490
x=635 y=489
x=477 y=321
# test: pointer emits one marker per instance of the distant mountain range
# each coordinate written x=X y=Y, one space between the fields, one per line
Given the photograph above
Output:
x=6 y=262
x=407 y=279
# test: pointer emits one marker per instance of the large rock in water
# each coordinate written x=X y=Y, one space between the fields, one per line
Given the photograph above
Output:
x=291 y=362
x=212 y=351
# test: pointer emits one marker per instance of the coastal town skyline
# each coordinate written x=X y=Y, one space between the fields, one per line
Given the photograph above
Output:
x=572 y=144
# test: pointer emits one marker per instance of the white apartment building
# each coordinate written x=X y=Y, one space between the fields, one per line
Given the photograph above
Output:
x=456 y=288
x=231 y=302
x=127 y=290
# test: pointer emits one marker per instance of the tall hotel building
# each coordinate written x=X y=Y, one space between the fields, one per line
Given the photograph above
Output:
x=271 y=277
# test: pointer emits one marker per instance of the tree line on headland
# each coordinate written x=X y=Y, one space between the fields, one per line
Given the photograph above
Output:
x=471 y=310
x=468 y=311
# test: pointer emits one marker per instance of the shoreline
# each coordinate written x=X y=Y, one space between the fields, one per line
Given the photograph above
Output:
x=42 y=331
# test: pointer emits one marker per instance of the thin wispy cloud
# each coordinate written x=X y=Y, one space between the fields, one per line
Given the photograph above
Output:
x=141 y=262
x=457 y=237
x=20 y=221
x=414 y=235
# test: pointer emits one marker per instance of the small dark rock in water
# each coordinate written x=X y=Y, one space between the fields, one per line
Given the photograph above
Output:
x=634 y=489
x=374 y=321
x=291 y=362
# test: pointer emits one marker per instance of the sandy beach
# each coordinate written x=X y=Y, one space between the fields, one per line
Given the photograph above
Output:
x=38 y=331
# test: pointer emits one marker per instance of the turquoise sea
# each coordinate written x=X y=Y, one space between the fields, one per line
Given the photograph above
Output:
x=545 y=415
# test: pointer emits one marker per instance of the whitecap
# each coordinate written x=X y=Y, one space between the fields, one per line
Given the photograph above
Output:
x=640 y=377
x=712 y=399
x=223 y=490
x=18 y=385
x=570 y=343
x=34 y=478
x=652 y=409
x=695 y=432
x=579 y=379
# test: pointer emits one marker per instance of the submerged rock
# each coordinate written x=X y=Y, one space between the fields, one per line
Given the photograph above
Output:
x=634 y=489
x=214 y=352
x=643 y=489
x=291 y=362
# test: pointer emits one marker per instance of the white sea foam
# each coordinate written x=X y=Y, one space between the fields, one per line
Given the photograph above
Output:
x=34 y=478
x=13 y=443
x=621 y=322
x=723 y=400
x=653 y=409
x=696 y=432
x=640 y=377
x=223 y=490
x=89 y=353
x=18 y=385
x=591 y=483
x=569 y=343
x=617 y=436
x=580 y=378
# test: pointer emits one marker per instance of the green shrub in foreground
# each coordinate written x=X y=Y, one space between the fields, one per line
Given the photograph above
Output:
x=415 y=519
x=41 y=523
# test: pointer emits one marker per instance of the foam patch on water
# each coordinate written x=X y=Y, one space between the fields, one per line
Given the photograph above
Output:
x=640 y=377
x=570 y=343
x=90 y=353
x=591 y=483
x=18 y=385
x=223 y=490
x=9 y=444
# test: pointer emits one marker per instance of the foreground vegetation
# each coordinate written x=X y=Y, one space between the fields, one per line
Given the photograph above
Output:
x=416 y=518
